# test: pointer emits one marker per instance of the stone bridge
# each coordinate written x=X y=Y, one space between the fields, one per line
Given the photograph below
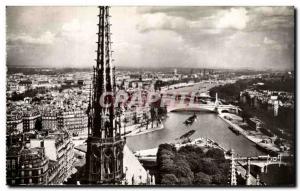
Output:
x=202 y=107
x=260 y=161
x=217 y=106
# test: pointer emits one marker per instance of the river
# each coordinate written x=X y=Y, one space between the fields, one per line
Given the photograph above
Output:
x=207 y=125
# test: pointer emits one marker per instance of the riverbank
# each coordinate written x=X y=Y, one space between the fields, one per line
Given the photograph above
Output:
x=137 y=130
x=150 y=154
x=255 y=138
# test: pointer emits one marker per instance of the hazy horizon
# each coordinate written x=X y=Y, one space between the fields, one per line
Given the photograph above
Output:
x=250 y=38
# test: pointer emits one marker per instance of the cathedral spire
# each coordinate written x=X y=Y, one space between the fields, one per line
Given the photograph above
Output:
x=104 y=159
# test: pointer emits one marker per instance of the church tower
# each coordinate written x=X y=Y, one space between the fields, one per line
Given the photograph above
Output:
x=104 y=158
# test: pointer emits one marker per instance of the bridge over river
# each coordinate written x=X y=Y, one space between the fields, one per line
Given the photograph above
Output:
x=194 y=103
x=202 y=107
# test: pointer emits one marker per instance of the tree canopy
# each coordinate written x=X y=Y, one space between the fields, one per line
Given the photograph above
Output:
x=191 y=165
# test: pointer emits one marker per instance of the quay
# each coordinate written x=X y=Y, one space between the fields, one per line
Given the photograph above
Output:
x=256 y=140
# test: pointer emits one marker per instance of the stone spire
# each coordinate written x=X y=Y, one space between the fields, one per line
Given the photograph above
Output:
x=257 y=180
x=217 y=101
x=233 y=181
x=248 y=175
x=104 y=158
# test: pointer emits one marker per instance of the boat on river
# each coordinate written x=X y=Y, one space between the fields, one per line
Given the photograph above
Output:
x=190 y=120
x=187 y=135
x=235 y=131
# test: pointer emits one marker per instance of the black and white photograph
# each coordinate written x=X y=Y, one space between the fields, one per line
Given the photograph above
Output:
x=150 y=96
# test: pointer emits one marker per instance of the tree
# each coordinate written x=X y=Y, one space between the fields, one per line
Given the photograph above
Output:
x=146 y=119
x=153 y=115
x=190 y=165
x=169 y=179
x=202 y=179
x=208 y=166
x=221 y=179
x=134 y=118
x=183 y=171
x=158 y=84
x=215 y=153
x=125 y=121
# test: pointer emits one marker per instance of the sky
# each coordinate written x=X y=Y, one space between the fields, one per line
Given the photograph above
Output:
x=200 y=37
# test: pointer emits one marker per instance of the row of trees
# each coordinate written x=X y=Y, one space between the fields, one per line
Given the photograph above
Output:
x=191 y=165
x=231 y=92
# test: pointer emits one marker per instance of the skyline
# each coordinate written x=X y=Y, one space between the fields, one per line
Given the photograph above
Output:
x=193 y=37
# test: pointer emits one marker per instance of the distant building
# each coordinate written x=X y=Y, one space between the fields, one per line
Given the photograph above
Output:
x=26 y=84
x=175 y=71
x=29 y=120
x=73 y=121
x=276 y=107
x=49 y=121
x=14 y=123
x=12 y=86
x=69 y=82
x=80 y=82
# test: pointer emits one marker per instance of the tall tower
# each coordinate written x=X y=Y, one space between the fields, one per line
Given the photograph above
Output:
x=248 y=175
x=104 y=159
x=233 y=181
x=216 y=102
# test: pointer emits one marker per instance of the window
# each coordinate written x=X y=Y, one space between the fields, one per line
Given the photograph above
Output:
x=29 y=173
x=13 y=164
x=8 y=164
x=22 y=173
x=30 y=181
x=13 y=181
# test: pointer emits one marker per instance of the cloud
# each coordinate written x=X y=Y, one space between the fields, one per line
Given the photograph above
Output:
x=273 y=44
x=235 y=18
x=72 y=26
x=161 y=21
x=269 y=41
x=45 y=38
x=273 y=11
x=192 y=13
x=231 y=37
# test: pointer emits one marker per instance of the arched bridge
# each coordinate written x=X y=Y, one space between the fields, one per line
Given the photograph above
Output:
x=261 y=161
x=202 y=107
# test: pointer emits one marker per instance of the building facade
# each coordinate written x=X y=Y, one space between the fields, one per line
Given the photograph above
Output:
x=49 y=121
x=29 y=120
x=14 y=123
x=26 y=166
x=60 y=151
x=73 y=121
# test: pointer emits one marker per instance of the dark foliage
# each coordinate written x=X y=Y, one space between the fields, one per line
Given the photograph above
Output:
x=202 y=178
x=191 y=165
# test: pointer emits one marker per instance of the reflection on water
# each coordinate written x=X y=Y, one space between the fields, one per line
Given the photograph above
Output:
x=207 y=125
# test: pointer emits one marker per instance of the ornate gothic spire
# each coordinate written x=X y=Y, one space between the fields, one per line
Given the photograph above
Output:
x=105 y=144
